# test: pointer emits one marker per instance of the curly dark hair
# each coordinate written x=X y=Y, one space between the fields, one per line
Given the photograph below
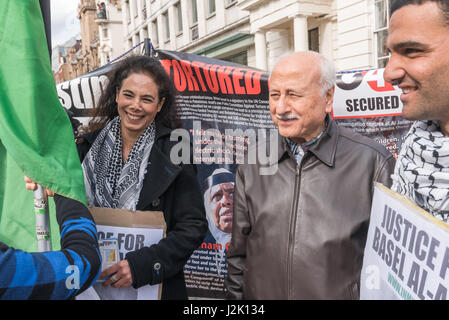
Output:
x=107 y=106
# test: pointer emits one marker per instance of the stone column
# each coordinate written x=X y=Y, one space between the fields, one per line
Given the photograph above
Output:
x=300 y=33
x=125 y=10
x=201 y=10
x=261 y=50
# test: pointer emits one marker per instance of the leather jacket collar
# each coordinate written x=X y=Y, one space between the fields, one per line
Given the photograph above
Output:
x=324 y=149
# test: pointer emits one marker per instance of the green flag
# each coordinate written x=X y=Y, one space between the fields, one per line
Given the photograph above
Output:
x=36 y=137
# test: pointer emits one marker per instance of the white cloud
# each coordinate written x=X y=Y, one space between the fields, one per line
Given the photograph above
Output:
x=64 y=21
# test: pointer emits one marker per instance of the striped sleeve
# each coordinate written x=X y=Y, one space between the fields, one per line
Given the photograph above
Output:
x=56 y=274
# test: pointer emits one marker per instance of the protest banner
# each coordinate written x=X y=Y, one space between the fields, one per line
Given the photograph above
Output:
x=224 y=106
x=406 y=253
x=365 y=103
x=81 y=94
x=132 y=230
x=223 y=109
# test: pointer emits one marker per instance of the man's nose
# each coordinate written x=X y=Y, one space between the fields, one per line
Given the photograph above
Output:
x=394 y=72
x=282 y=106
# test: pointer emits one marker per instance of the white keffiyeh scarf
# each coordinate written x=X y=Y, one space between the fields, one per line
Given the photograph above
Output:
x=422 y=169
x=110 y=183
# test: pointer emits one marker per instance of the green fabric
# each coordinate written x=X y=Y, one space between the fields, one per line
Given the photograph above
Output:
x=36 y=137
x=17 y=222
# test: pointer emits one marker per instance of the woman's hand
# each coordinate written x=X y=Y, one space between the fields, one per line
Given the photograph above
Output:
x=31 y=185
x=121 y=275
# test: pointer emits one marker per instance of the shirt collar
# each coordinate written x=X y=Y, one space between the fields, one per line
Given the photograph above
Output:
x=324 y=148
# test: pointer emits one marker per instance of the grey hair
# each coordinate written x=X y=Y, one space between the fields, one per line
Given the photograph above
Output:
x=328 y=77
x=327 y=68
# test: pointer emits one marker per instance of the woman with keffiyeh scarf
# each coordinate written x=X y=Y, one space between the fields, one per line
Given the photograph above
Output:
x=126 y=162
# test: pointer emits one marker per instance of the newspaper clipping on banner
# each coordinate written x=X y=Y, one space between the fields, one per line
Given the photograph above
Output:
x=406 y=253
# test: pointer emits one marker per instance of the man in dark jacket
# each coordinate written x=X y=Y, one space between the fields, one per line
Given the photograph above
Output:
x=300 y=232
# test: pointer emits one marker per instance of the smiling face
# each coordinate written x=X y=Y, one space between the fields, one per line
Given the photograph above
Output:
x=297 y=106
x=221 y=202
x=419 y=63
x=137 y=103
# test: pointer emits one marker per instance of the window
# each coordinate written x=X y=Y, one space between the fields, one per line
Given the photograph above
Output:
x=155 y=39
x=230 y=2
x=194 y=12
x=101 y=11
x=240 y=58
x=195 y=34
x=144 y=10
x=134 y=8
x=178 y=13
x=128 y=11
x=381 y=31
x=314 y=40
x=166 y=23
x=105 y=32
x=211 y=7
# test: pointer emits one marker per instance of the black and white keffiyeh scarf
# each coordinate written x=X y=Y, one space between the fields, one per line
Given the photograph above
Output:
x=108 y=182
x=422 y=169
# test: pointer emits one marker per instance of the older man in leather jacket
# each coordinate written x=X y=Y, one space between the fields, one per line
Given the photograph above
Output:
x=300 y=233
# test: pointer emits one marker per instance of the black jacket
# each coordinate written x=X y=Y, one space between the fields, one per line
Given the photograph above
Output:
x=300 y=232
x=174 y=190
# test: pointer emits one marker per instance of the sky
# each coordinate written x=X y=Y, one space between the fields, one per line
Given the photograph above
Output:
x=64 y=23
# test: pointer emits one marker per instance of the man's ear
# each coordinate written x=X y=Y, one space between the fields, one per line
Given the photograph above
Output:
x=330 y=99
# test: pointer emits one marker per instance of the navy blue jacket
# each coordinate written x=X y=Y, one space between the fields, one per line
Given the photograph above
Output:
x=55 y=274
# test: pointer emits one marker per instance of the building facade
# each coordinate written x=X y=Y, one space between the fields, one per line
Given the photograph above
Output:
x=66 y=60
x=352 y=33
x=79 y=56
x=110 y=34
x=87 y=58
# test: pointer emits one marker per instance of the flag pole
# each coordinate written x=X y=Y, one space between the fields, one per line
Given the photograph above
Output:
x=42 y=220
x=46 y=15
x=147 y=47
x=40 y=198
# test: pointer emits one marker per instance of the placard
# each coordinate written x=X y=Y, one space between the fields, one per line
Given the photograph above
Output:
x=406 y=253
x=133 y=230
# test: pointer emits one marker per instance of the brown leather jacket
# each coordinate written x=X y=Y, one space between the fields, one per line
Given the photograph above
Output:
x=301 y=233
